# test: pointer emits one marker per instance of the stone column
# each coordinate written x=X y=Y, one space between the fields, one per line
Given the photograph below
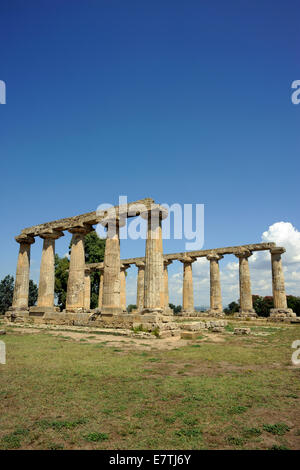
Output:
x=45 y=301
x=111 y=303
x=188 y=289
x=140 y=285
x=246 y=304
x=100 y=288
x=75 y=288
x=216 y=307
x=154 y=280
x=21 y=290
x=87 y=290
x=123 y=268
x=166 y=283
x=279 y=296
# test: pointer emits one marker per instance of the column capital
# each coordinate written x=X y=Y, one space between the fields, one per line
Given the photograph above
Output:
x=83 y=230
x=26 y=239
x=113 y=221
x=156 y=210
x=123 y=266
x=53 y=235
x=186 y=259
x=243 y=254
x=167 y=262
x=140 y=264
x=277 y=250
x=214 y=257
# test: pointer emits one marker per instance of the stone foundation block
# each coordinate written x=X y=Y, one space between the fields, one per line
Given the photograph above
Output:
x=189 y=334
x=242 y=331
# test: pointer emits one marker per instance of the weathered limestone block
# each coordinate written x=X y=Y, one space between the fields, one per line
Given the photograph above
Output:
x=279 y=296
x=242 y=331
x=189 y=335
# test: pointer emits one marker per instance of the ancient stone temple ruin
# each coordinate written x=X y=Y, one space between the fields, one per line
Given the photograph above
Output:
x=152 y=312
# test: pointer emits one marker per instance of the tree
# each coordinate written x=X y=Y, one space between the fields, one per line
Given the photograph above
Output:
x=176 y=308
x=131 y=307
x=232 y=308
x=294 y=303
x=94 y=253
x=6 y=293
x=33 y=293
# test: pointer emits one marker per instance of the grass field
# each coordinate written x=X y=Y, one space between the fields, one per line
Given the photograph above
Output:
x=86 y=391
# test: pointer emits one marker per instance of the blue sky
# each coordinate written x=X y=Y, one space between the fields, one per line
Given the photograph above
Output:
x=184 y=102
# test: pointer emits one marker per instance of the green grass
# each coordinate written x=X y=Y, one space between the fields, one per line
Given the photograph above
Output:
x=242 y=393
x=279 y=429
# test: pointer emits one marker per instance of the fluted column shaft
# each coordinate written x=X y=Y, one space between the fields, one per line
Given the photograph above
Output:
x=216 y=306
x=76 y=284
x=47 y=271
x=100 y=289
x=111 y=302
x=123 y=268
x=154 y=280
x=21 y=289
x=140 y=286
x=87 y=290
x=279 y=295
x=246 y=304
x=166 y=283
x=188 y=289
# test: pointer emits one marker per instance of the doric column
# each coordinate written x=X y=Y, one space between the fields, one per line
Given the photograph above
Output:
x=47 y=272
x=166 y=283
x=246 y=304
x=216 y=307
x=87 y=289
x=75 y=288
x=279 y=296
x=154 y=280
x=100 y=288
x=140 y=285
x=123 y=268
x=21 y=290
x=188 y=289
x=111 y=303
